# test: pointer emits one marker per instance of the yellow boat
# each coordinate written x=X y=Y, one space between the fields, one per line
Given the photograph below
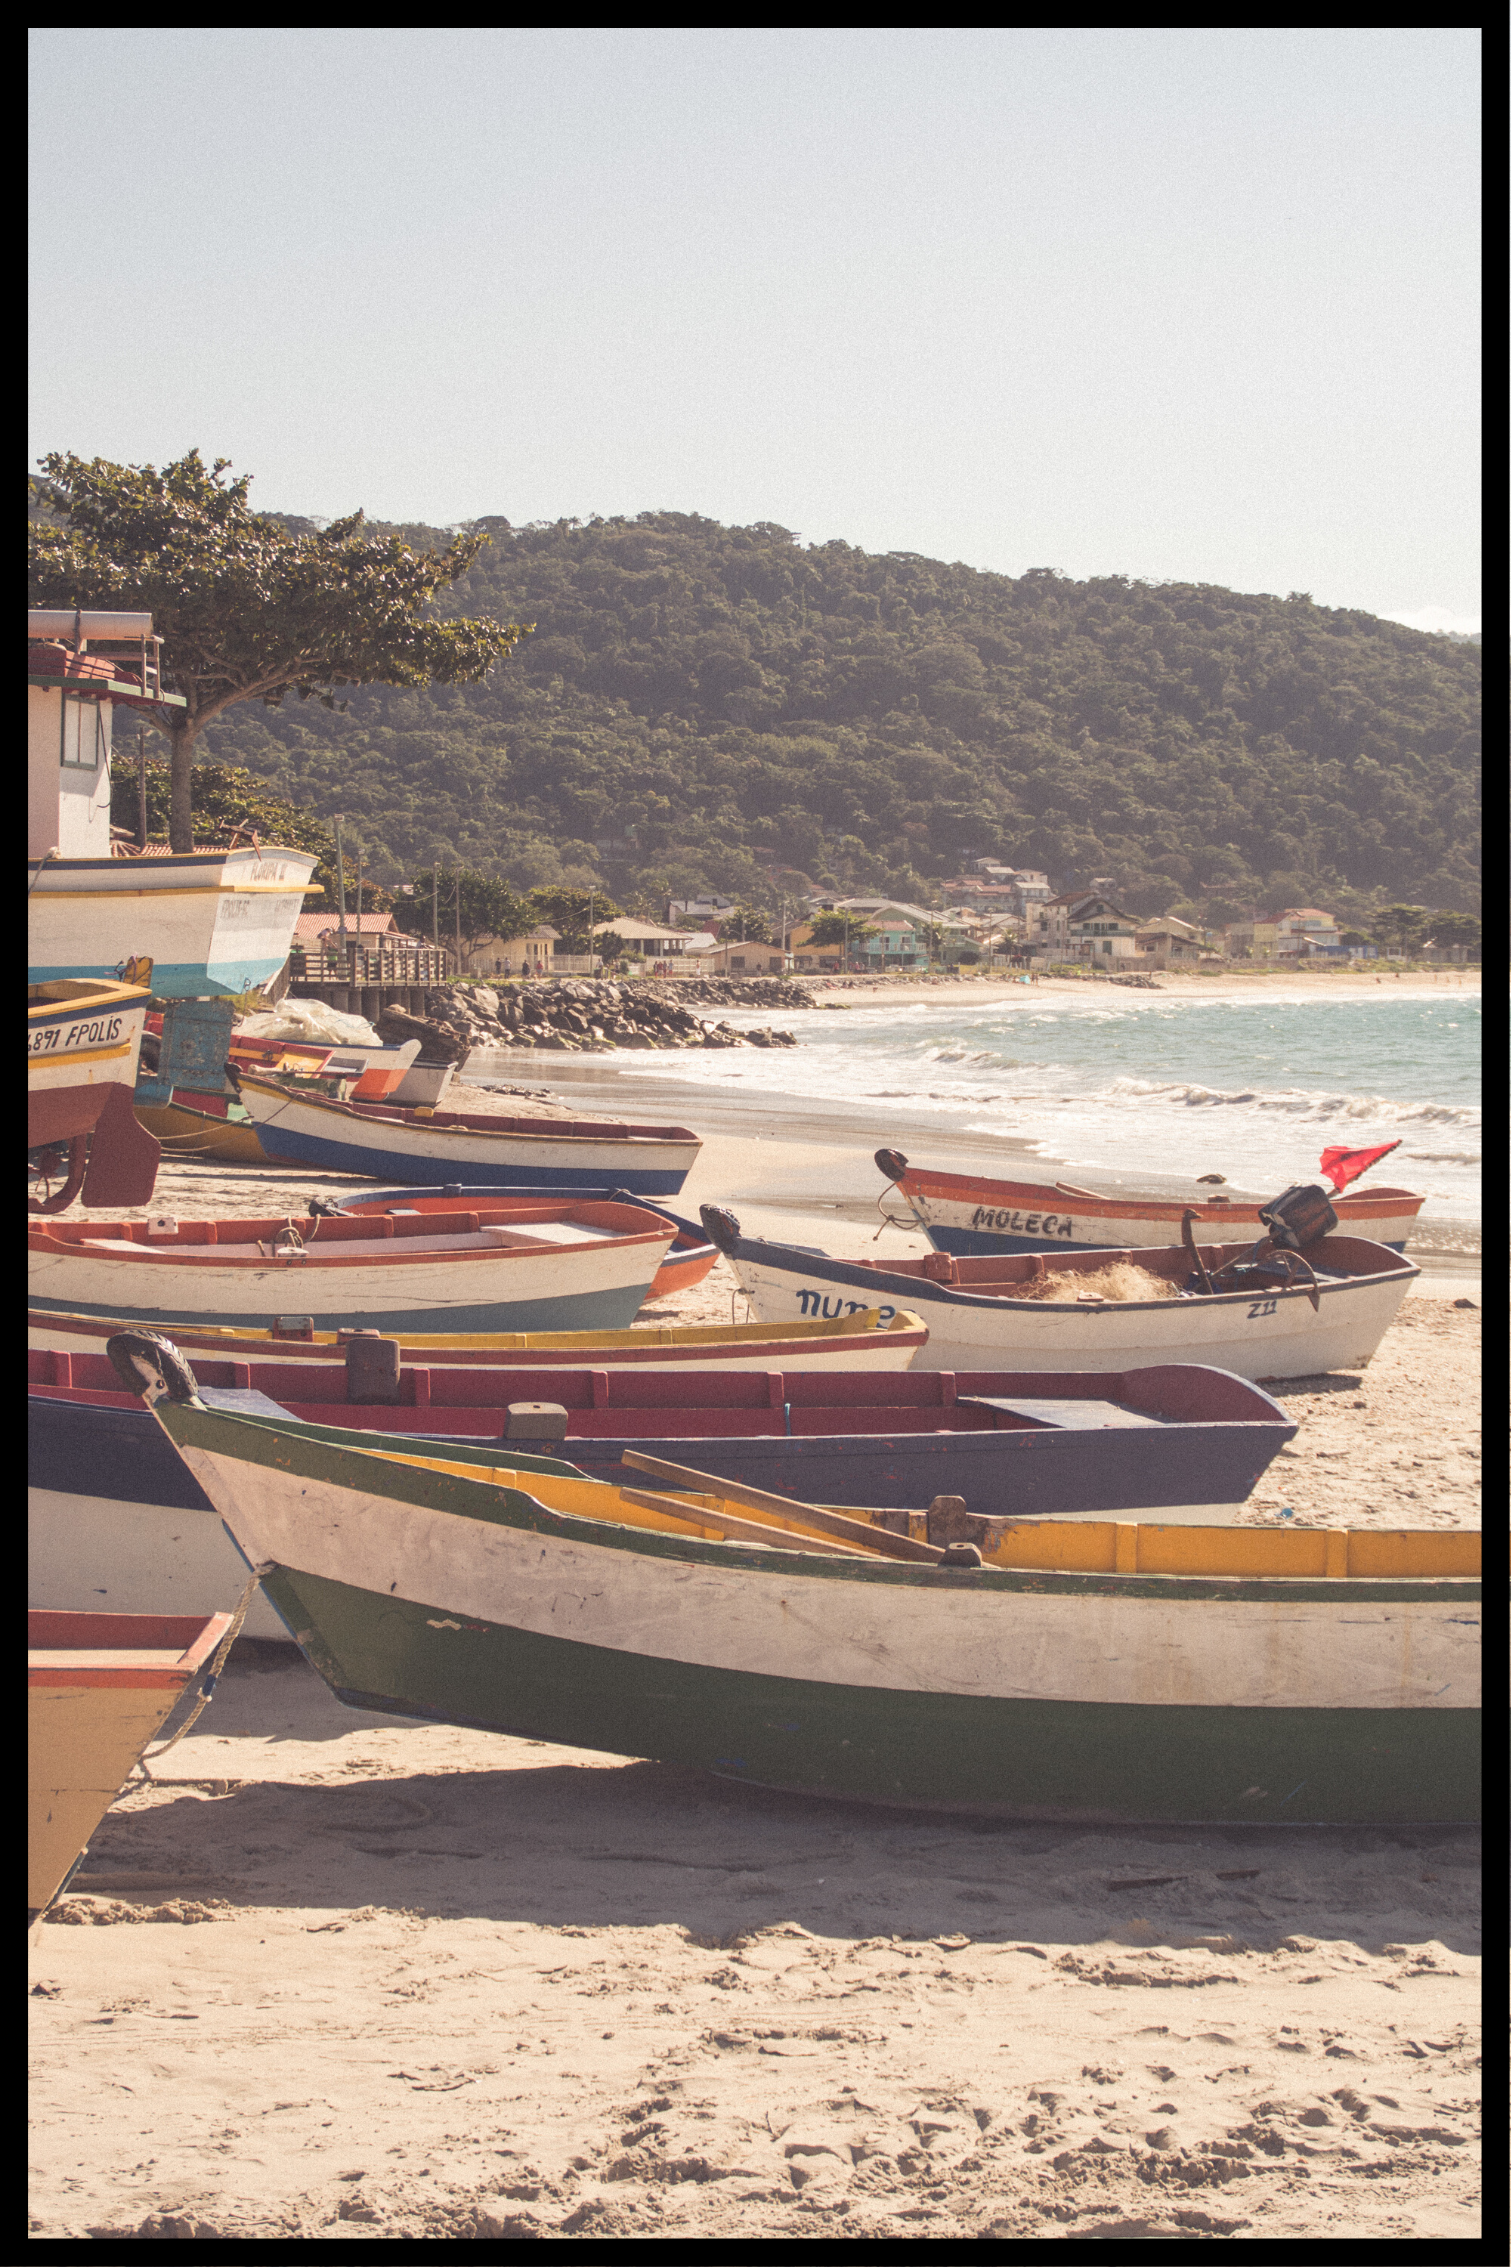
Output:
x=183 y=1132
x=99 y=1686
x=865 y=1340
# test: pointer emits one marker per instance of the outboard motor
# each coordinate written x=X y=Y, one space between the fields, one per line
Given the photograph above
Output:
x=1298 y=1218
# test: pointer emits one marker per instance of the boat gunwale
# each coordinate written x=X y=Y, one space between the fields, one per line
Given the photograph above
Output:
x=964 y=1187
x=658 y=1339
x=862 y=1272
x=397 y=1118
x=494 y=1504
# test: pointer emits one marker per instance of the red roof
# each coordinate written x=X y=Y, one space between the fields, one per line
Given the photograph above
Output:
x=309 y=928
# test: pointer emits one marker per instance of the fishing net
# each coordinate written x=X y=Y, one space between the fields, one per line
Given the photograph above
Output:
x=1119 y=1279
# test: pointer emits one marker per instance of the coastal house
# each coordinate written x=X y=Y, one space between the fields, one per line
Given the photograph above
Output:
x=1080 y=925
x=315 y=929
x=533 y=954
x=647 y=940
x=1169 y=944
x=1296 y=934
x=1303 y=930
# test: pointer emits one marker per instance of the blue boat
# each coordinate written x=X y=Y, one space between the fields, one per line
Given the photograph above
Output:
x=424 y=1148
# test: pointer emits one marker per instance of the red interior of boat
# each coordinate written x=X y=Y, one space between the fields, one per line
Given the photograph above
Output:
x=737 y=1403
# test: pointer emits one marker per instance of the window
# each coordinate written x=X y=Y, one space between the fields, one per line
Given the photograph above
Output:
x=84 y=745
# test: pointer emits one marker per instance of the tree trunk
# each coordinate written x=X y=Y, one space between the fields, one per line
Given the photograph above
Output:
x=181 y=804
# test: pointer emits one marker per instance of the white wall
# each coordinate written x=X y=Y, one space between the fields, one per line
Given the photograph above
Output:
x=67 y=803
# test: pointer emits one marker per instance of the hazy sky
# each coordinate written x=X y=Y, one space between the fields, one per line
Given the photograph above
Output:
x=1192 y=305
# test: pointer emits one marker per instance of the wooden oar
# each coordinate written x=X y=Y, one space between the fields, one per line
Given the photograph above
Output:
x=733 y=1529
x=857 y=1532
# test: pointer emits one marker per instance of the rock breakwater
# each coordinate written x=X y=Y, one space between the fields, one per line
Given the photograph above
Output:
x=583 y=1016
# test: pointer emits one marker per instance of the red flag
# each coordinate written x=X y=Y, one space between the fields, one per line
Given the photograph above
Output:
x=1344 y=1165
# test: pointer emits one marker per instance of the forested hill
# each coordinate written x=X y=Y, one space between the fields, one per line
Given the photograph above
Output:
x=724 y=707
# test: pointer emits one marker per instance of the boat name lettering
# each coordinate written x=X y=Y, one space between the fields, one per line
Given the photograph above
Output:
x=815 y=1303
x=1023 y=1223
x=57 y=1038
x=1260 y=1307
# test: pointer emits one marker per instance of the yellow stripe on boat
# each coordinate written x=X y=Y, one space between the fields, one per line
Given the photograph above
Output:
x=1055 y=1546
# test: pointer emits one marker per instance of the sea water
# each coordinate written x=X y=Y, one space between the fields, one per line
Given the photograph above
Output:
x=1141 y=1084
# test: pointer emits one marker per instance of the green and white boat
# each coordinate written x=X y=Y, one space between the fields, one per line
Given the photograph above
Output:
x=1187 y=1674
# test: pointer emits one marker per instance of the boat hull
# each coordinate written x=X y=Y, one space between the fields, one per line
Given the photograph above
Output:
x=1082 y=1698
x=212 y=924
x=689 y=1258
x=79 y=1047
x=976 y=1218
x=1046 y=1469
x=89 y=1553
x=184 y=1131
x=416 y=1152
x=1276 y=1336
x=100 y=1685
x=592 y=1288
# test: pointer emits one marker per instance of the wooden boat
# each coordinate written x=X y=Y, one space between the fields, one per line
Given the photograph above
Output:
x=583 y=1265
x=430 y=1148
x=1254 y=1675
x=210 y=923
x=99 y=1687
x=859 y=1340
x=83 y=1044
x=1012 y=1445
x=976 y=1218
x=690 y=1256
x=191 y=1124
x=980 y=1311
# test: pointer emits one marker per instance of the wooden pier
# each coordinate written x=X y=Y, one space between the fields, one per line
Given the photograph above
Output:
x=390 y=971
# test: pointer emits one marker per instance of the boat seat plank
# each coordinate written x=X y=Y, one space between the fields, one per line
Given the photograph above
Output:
x=1065 y=1415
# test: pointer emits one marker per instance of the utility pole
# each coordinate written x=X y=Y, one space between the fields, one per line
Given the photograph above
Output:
x=435 y=905
x=141 y=788
x=458 y=873
x=341 y=880
x=592 y=941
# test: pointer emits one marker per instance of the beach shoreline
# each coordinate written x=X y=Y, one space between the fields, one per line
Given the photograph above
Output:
x=418 y=1980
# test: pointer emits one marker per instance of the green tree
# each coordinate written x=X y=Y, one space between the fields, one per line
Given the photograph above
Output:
x=247 y=608
x=573 y=914
x=489 y=907
x=834 y=928
x=745 y=925
x=1354 y=939
x=226 y=798
x=1459 y=932
x=1405 y=925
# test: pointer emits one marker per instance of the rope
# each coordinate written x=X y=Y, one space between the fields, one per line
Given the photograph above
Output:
x=211 y=1676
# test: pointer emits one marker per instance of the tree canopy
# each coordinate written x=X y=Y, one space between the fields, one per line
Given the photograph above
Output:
x=460 y=899
x=716 y=708
x=250 y=606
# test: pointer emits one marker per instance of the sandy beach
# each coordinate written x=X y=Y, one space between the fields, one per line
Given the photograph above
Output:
x=419 y=1980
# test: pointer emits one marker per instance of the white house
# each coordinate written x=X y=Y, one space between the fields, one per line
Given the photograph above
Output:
x=71 y=695
x=1080 y=925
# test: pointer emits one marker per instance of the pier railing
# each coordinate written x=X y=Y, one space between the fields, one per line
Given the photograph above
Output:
x=380 y=961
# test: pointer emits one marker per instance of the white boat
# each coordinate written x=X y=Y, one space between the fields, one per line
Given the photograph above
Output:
x=205 y=924
x=1230 y=1676
x=974 y=1218
x=578 y=1266
x=444 y=1148
x=981 y=1315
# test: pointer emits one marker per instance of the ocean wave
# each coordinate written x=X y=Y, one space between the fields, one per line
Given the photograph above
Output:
x=1295 y=1102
